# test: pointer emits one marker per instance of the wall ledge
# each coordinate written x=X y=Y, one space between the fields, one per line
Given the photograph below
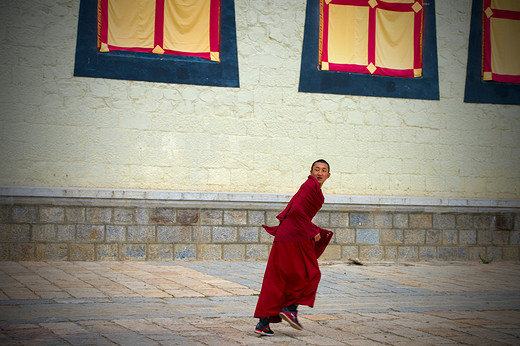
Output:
x=14 y=193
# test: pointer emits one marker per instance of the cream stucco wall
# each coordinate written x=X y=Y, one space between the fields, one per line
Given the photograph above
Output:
x=62 y=131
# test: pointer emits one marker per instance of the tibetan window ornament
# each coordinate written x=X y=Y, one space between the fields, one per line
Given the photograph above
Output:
x=500 y=32
x=372 y=37
x=176 y=27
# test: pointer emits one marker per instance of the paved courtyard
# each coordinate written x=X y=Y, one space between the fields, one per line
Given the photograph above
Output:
x=212 y=303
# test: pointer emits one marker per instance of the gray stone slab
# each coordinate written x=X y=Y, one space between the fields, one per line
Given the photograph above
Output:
x=408 y=303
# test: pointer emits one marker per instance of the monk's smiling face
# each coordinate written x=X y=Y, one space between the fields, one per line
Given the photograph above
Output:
x=320 y=171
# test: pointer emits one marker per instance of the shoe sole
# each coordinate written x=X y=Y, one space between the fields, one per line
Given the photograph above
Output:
x=259 y=332
x=291 y=322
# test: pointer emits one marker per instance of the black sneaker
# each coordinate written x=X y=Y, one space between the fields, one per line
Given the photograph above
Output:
x=262 y=327
x=264 y=331
x=291 y=317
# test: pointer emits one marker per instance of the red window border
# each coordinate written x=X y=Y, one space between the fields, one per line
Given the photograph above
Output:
x=398 y=7
x=159 y=31
x=486 y=41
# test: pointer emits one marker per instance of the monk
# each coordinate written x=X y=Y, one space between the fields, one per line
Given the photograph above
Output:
x=292 y=273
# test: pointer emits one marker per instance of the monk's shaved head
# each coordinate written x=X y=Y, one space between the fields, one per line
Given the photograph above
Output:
x=322 y=161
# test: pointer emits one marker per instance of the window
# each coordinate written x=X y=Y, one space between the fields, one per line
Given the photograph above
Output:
x=189 y=28
x=501 y=30
x=367 y=64
x=493 y=68
x=151 y=54
x=383 y=38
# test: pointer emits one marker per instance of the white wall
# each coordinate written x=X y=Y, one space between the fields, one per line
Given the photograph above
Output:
x=62 y=131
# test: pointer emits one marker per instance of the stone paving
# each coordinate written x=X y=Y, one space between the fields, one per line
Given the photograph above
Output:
x=212 y=303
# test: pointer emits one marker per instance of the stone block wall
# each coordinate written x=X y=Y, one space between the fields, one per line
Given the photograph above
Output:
x=75 y=230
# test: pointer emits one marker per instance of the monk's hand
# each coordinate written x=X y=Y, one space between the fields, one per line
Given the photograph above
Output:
x=317 y=237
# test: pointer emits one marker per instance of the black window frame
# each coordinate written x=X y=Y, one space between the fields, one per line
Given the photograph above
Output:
x=313 y=80
x=477 y=90
x=149 y=67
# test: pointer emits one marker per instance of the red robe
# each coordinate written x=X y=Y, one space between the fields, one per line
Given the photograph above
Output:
x=292 y=273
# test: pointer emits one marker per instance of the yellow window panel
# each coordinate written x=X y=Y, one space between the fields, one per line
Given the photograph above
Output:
x=505 y=50
x=394 y=39
x=509 y=5
x=348 y=35
x=131 y=23
x=187 y=25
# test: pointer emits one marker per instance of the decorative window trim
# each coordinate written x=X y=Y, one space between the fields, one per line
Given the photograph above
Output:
x=312 y=79
x=477 y=90
x=374 y=10
x=490 y=14
x=150 y=67
x=157 y=38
